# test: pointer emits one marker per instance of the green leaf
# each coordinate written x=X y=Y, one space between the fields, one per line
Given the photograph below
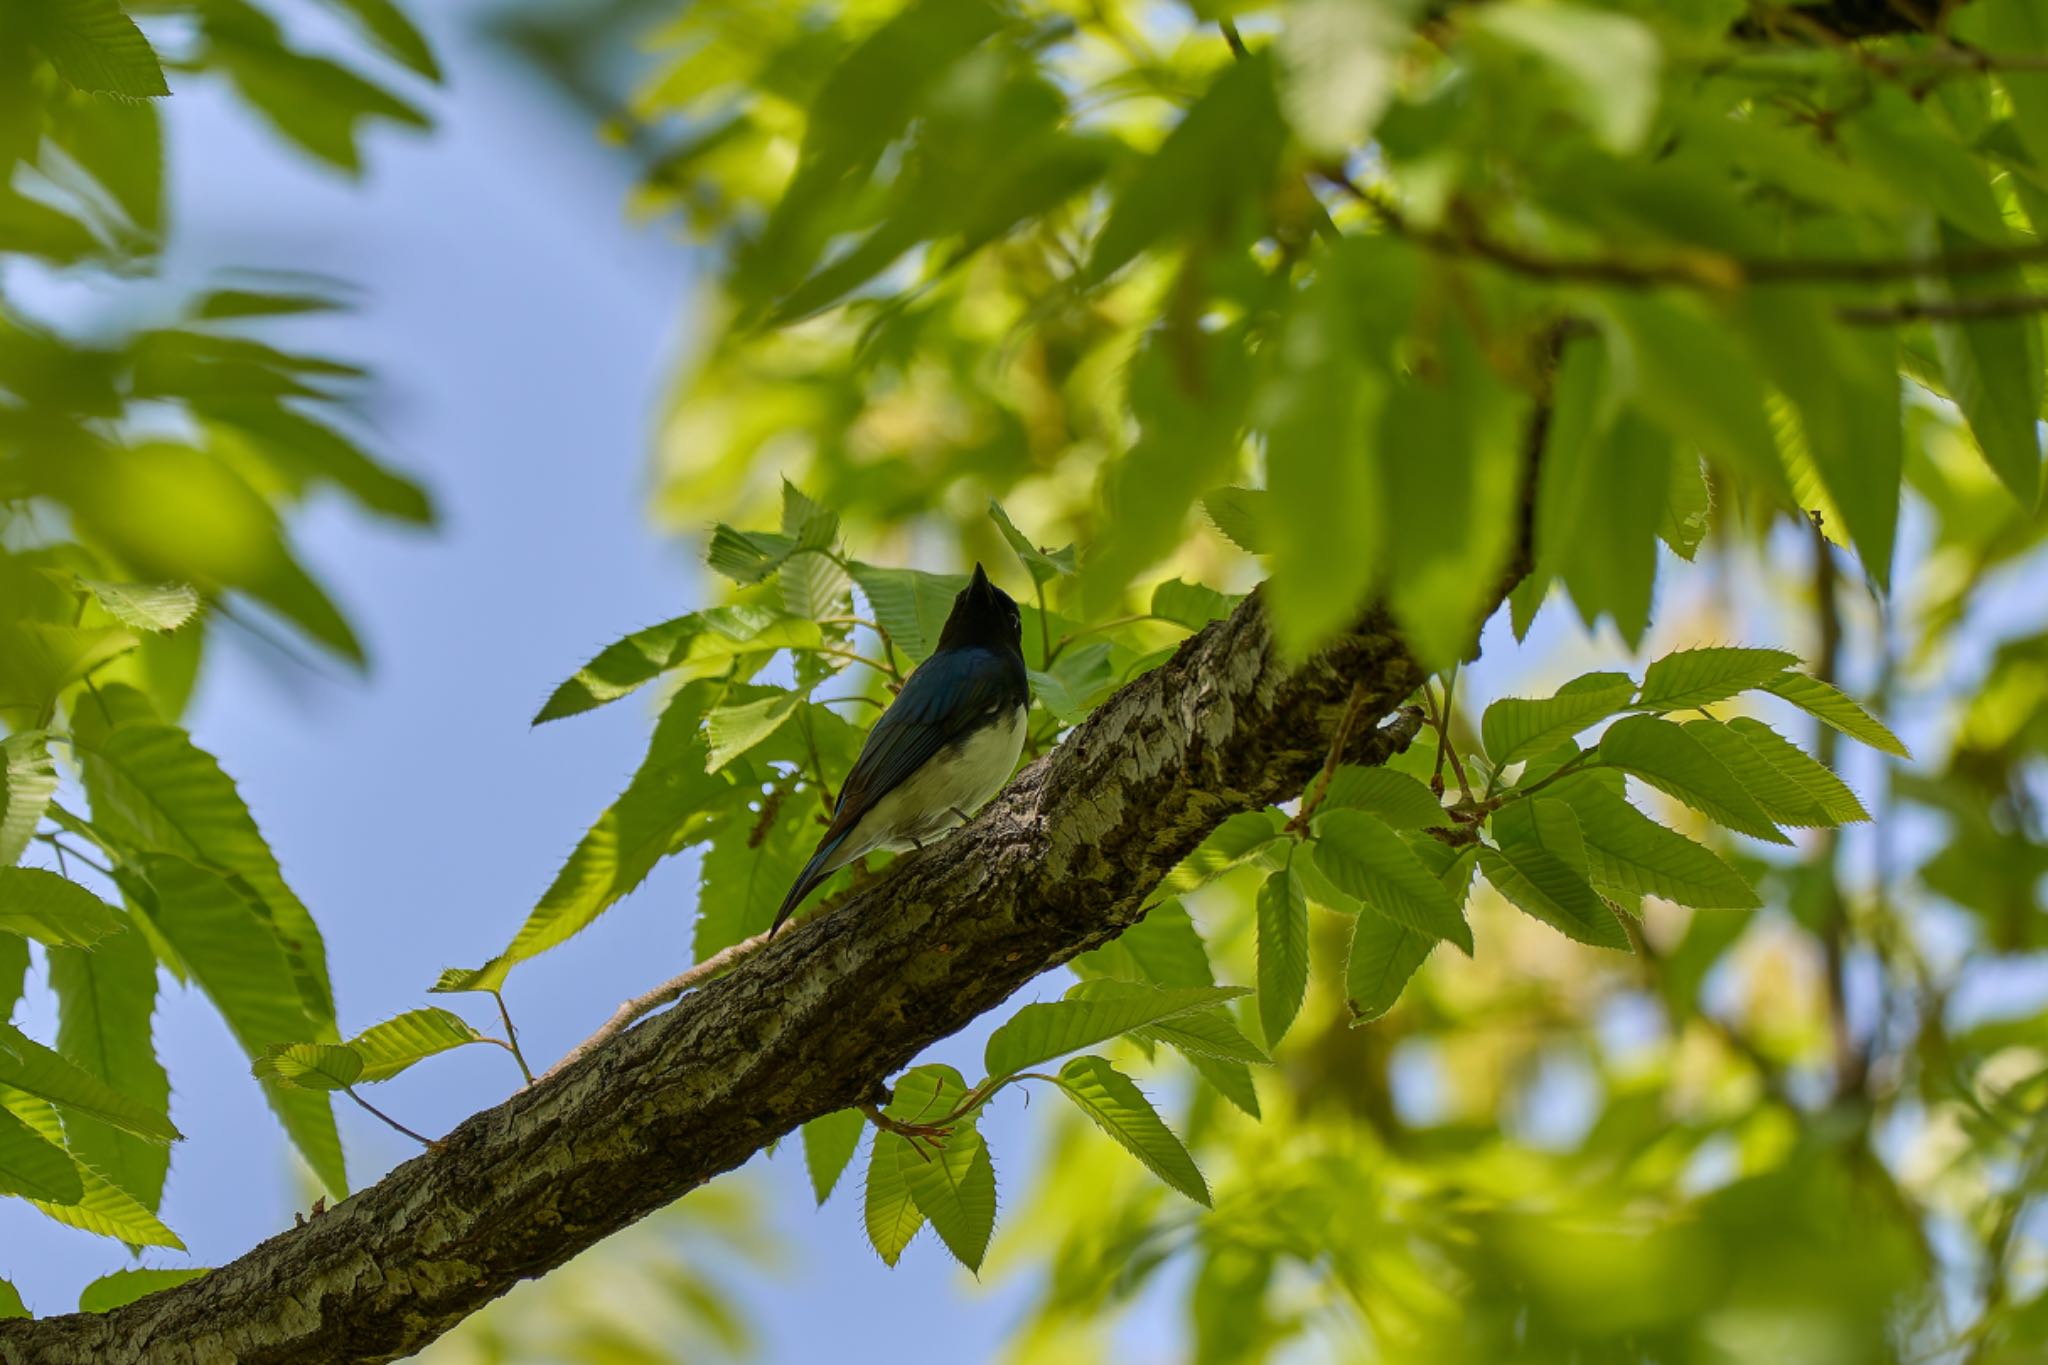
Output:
x=1513 y=729
x=154 y=789
x=1692 y=678
x=105 y=1000
x=1632 y=855
x=1120 y=1109
x=733 y=730
x=1229 y=844
x=911 y=605
x=1688 y=503
x=457 y=980
x=11 y=1305
x=1686 y=373
x=33 y=1069
x=1283 y=953
x=747 y=556
x=1040 y=1032
x=124 y=1287
x=743 y=878
x=145 y=606
x=1368 y=861
x=387 y=25
x=309 y=1066
x=221 y=936
x=1384 y=955
x=829 y=1144
x=663 y=808
x=103 y=1208
x=890 y=1213
x=1240 y=514
x=1606 y=65
x=96 y=47
x=1340 y=67
x=1834 y=709
x=390 y=1047
x=1230 y=1079
x=699 y=641
x=1395 y=797
x=956 y=1192
x=28 y=780
x=47 y=908
x=1540 y=867
x=1204 y=1033
x=1042 y=565
x=34 y=1167
x=1215 y=164
x=13 y=973
x=1792 y=788
x=1162 y=948
x=1665 y=756
x=1994 y=369
x=1193 y=605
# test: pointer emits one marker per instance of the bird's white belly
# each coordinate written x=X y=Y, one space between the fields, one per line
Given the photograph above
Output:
x=958 y=778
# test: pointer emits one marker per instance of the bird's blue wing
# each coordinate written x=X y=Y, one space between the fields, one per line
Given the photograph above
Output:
x=948 y=697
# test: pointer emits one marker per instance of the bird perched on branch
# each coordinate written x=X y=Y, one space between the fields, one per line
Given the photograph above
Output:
x=945 y=745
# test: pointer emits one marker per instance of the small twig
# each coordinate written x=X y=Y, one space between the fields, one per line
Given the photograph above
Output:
x=667 y=992
x=350 y=1091
x=512 y=1037
x=1231 y=36
x=1443 y=733
x=1337 y=746
x=63 y=848
x=888 y=668
x=1919 y=310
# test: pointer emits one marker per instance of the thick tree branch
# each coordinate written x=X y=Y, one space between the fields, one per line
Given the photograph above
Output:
x=1060 y=863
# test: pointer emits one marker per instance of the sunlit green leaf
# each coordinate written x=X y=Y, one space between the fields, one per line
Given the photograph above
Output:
x=1630 y=854
x=44 y=906
x=124 y=1287
x=1120 y=1109
x=1514 y=729
x=1836 y=710
x=1283 y=954
x=390 y=1047
x=28 y=779
x=33 y=1069
x=1692 y=678
x=1665 y=756
x=829 y=1144
x=1540 y=866
x=1368 y=861
x=309 y=1066
x=698 y=640
x=1040 y=1032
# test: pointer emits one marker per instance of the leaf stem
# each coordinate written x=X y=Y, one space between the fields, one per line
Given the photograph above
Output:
x=1337 y=745
x=350 y=1091
x=511 y=1039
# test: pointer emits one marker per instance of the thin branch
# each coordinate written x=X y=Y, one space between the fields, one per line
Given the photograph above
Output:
x=1712 y=271
x=667 y=992
x=1307 y=812
x=63 y=848
x=1939 y=310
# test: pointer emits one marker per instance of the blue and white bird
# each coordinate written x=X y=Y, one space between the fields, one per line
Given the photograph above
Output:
x=945 y=745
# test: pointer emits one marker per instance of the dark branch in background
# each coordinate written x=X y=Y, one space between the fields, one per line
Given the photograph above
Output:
x=1060 y=863
x=1925 y=310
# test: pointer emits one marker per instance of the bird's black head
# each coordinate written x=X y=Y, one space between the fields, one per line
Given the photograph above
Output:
x=984 y=615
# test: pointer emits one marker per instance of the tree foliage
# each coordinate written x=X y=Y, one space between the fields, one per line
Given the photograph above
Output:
x=1587 y=306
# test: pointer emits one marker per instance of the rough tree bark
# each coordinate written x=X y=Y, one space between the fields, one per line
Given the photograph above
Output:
x=1059 y=863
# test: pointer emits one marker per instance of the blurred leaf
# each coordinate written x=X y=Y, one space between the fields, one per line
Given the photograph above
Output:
x=1240 y=513
x=317 y=453
x=124 y=1287
x=1687 y=375
x=94 y=46
x=1339 y=66
x=101 y=1208
x=1605 y=64
x=386 y=23
x=45 y=907
x=1120 y=1109
x=1209 y=1033
x=1995 y=371
x=1191 y=604
x=1369 y=861
x=829 y=1144
x=1217 y=160
x=1665 y=756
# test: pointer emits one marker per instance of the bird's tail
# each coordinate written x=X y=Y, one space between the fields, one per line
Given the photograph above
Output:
x=815 y=871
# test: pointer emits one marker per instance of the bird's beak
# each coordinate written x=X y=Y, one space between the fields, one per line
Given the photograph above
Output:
x=979 y=584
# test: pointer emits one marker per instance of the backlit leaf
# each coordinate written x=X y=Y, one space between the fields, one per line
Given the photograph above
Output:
x=1120 y=1109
